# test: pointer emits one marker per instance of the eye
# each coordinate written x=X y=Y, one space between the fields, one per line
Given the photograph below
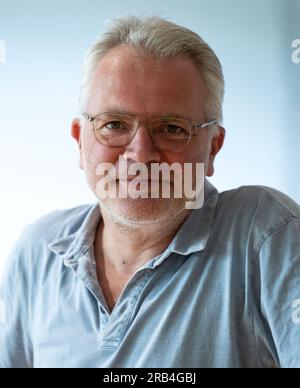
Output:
x=174 y=129
x=115 y=125
x=171 y=129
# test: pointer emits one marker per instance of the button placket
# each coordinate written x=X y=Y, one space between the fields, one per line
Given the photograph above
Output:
x=116 y=325
x=103 y=318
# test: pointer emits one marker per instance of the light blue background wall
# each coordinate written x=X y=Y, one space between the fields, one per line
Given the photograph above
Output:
x=45 y=42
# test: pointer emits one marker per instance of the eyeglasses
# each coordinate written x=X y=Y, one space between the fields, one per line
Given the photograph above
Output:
x=167 y=133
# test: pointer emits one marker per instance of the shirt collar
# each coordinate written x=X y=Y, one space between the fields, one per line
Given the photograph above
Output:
x=73 y=245
x=194 y=233
x=192 y=236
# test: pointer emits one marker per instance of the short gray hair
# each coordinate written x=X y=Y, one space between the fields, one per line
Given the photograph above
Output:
x=161 y=39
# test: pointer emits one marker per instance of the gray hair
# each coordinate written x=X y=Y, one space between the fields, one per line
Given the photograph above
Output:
x=161 y=39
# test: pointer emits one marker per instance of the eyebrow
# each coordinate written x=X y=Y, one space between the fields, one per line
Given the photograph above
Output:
x=126 y=112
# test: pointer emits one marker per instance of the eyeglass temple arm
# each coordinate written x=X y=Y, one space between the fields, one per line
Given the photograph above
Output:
x=198 y=126
x=88 y=117
x=212 y=122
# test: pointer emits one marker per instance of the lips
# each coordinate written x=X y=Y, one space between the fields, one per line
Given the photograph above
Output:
x=143 y=180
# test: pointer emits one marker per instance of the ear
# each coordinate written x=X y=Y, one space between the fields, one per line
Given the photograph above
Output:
x=216 y=144
x=76 y=134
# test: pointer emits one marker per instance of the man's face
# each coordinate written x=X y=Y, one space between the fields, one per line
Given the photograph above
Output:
x=128 y=82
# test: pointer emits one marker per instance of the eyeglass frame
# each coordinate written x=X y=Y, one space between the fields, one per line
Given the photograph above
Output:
x=194 y=125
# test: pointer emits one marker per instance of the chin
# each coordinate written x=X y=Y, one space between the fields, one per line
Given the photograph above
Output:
x=142 y=210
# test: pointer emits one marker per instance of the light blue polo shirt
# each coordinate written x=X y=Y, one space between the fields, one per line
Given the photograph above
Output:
x=225 y=293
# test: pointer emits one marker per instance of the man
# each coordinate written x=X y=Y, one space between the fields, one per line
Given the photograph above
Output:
x=148 y=282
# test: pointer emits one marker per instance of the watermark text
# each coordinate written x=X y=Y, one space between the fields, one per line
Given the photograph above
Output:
x=296 y=311
x=2 y=312
x=296 y=52
x=2 y=51
x=162 y=180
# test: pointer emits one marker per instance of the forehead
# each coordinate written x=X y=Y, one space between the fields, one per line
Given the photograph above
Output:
x=129 y=81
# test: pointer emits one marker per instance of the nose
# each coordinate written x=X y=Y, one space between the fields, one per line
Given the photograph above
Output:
x=141 y=148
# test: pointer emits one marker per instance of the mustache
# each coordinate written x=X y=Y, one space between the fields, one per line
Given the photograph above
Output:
x=144 y=171
x=150 y=171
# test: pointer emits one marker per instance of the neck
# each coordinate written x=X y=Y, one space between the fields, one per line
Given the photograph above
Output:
x=128 y=247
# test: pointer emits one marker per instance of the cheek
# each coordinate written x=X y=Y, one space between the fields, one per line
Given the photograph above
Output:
x=194 y=153
x=201 y=149
x=92 y=154
x=197 y=152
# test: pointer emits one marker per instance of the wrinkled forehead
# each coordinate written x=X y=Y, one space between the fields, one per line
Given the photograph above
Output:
x=126 y=79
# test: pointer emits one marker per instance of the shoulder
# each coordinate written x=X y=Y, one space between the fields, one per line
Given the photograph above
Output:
x=32 y=245
x=60 y=223
x=261 y=197
x=259 y=207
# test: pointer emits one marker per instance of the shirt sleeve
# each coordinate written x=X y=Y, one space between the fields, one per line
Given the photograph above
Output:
x=278 y=287
x=15 y=342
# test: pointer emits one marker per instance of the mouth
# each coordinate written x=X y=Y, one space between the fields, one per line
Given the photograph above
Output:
x=145 y=180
